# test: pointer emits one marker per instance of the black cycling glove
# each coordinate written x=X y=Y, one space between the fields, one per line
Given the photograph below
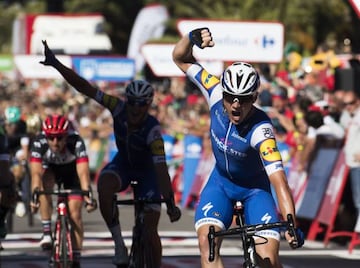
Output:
x=195 y=37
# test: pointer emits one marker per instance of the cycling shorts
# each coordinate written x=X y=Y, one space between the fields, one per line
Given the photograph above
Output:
x=147 y=183
x=216 y=205
x=67 y=176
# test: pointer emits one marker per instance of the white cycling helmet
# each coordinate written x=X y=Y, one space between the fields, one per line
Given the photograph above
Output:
x=240 y=79
x=140 y=89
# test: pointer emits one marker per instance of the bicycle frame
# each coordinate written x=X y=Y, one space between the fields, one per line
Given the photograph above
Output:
x=247 y=233
x=62 y=247
x=139 y=257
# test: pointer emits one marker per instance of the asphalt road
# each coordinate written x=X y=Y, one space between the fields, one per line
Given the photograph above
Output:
x=179 y=246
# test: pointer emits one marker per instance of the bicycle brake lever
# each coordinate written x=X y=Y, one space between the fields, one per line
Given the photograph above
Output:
x=292 y=231
x=35 y=196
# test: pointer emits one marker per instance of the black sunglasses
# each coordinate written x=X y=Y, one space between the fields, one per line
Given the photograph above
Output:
x=350 y=103
x=53 y=137
x=233 y=98
x=138 y=102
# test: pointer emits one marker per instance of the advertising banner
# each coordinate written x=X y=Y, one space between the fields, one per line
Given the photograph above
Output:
x=192 y=145
x=318 y=179
x=332 y=199
x=297 y=182
x=239 y=40
x=149 y=24
x=113 y=69
x=334 y=191
x=169 y=142
x=159 y=59
x=30 y=68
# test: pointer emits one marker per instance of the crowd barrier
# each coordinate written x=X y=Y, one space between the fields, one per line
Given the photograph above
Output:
x=318 y=190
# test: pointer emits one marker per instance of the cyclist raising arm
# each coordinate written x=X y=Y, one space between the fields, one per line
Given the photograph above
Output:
x=247 y=158
x=59 y=155
x=142 y=157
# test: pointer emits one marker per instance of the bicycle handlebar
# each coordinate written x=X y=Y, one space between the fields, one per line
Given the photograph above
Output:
x=141 y=201
x=60 y=193
x=250 y=230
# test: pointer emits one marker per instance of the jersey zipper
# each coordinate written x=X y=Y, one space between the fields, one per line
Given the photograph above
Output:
x=225 y=151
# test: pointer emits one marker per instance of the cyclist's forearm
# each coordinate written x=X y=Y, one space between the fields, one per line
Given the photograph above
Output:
x=286 y=205
x=84 y=175
x=164 y=180
x=36 y=176
x=183 y=53
x=283 y=194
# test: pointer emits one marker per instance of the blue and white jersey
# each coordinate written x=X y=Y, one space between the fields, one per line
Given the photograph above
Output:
x=247 y=153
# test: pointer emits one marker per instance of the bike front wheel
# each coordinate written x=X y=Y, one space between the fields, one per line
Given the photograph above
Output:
x=63 y=255
x=137 y=259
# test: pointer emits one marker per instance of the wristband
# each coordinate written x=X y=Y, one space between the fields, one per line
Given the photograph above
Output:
x=195 y=37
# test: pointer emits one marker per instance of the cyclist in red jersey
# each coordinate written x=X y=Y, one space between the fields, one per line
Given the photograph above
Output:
x=59 y=155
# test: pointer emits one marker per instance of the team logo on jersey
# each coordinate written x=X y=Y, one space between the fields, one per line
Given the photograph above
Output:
x=268 y=133
x=110 y=101
x=157 y=147
x=208 y=80
x=269 y=151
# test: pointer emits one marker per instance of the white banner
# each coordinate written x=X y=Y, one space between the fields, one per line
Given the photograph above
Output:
x=159 y=58
x=149 y=24
x=236 y=40
x=29 y=66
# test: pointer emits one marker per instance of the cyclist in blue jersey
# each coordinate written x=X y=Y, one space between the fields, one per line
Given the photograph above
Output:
x=245 y=149
x=141 y=156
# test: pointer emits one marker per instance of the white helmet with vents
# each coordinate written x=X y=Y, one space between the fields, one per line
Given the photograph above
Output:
x=240 y=79
x=140 y=89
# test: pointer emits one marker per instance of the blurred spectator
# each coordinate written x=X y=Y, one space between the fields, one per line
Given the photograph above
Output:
x=312 y=88
x=330 y=126
x=280 y=112
x=349 y=99
x=319 y=122
x=336 y=104
x=18 y=145
x=352 y=147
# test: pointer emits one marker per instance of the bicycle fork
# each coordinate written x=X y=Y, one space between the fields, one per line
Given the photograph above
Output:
x=63 y=252
x=249 y=252
x=248 y=243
